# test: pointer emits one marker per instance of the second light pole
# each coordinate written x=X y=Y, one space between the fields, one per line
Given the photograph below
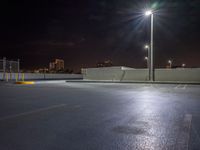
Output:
x=150 y=13
x=148 y=60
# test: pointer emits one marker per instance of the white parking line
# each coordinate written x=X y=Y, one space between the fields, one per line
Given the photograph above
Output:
x=176 y=87
x=147 y=86
x=181 y=86
x=184 y=136
x=32 y=112
x=185 y=86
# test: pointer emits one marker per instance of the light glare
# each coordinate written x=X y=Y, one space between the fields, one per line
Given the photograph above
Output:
x=146 y=46
x=148 y=12
x=183 y=65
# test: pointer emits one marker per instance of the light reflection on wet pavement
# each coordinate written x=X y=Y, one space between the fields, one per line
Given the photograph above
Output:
x=100 y=116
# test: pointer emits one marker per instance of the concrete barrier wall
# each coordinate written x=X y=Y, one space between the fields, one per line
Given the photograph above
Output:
x=111 y=73
x=187 y=74
x=115 y=74
x=130 y=74
x=41 y=76
x=1 y=76
x=64 y=76
x=31 y=76
x=136 y=75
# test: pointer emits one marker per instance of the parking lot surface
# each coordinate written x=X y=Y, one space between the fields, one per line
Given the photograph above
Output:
x=99 y=116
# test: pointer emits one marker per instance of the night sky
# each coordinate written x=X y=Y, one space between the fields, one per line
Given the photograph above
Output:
x=84 y=32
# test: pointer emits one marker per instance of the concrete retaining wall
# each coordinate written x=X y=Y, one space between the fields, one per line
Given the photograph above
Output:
x=187 y=74
x=135 y=75
x=111 y=73
x=1 y=76
x=41 y=76
x=130 y=74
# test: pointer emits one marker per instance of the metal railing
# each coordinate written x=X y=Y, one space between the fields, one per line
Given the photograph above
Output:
x=8 y=67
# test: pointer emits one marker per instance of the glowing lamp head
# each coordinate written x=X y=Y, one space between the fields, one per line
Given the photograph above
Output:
x=146 y=58
x=146 y=46
x=148 y=12
x=183 y=65
x=169 y=61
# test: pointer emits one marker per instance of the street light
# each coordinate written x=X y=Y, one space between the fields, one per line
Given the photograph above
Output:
x=148 y=59
x=170 y=63
x=146 y=47
x=183 y=65
x=150 y=13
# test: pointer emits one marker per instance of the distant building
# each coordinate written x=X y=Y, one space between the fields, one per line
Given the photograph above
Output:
x=106 y=63
x=41 y=70
x=51 y=65
x=57 y=65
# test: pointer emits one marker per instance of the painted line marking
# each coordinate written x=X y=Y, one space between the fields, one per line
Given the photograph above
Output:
x=180 y=86
x=184 y=136
x=32 y=112
x=185 y=86
x=148 y=86
x=176 y=87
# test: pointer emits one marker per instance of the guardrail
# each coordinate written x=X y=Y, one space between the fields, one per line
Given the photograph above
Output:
x=9 y=66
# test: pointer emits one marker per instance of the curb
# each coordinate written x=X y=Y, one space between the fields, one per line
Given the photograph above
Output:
x=134 y=82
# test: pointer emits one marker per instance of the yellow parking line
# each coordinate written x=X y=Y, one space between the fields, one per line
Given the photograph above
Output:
x=25 y=82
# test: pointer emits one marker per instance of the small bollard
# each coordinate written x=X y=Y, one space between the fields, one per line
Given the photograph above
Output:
x=22 y=76
x=6 y=76
x=16 y=77
x=10 y=76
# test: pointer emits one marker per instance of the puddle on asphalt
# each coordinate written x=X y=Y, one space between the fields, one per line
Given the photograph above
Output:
x=129 y=130
x=136 y=128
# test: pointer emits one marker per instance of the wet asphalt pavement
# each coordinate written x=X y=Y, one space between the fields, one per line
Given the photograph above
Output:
x=99 y=116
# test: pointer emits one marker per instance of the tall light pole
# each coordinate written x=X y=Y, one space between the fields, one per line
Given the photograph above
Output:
x=150 y=13
x=170 y=63
x=148 y=59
